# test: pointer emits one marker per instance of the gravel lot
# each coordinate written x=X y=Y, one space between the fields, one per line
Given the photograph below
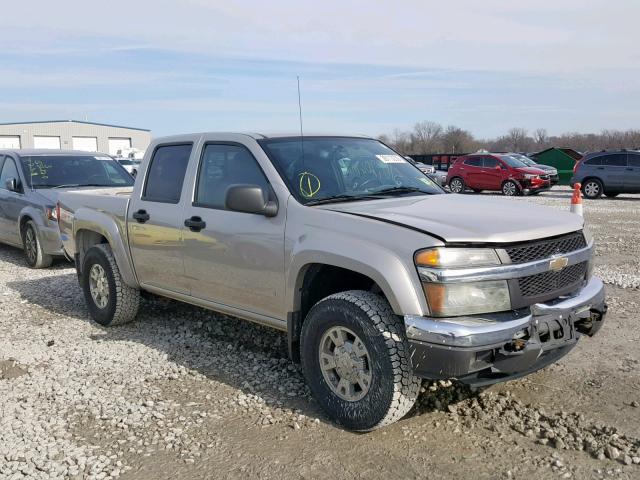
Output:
x=185 y=393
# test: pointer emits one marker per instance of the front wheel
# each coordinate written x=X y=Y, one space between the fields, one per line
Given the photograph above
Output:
x=510 y=188
x=36 y=258
x=355 y=357
x=109 y=299
x=456 y=185
x=592 y=188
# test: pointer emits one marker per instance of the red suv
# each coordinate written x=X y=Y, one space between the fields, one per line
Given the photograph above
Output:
x=488 y=171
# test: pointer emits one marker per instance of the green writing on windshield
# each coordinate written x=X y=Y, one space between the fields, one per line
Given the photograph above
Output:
x=37 y=168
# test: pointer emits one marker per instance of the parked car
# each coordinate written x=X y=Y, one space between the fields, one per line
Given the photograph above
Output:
x=548 y=169
x=611 y=173
x=428 y=170
x=129 y=165
x=497 y=172
x=30 y=182
x=307 y=241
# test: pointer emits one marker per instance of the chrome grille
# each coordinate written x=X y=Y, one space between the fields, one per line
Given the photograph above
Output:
x=548 y=282
x=532 y=251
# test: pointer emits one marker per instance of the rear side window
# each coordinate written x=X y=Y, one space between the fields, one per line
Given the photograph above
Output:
x=166 y=173
x=616 y=160
x=594 y=161
x=223 y=165
x=634 y=160
x=473 y=161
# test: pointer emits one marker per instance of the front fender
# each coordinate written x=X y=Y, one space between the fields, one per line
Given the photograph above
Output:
x=398 y=280
x=115 y=232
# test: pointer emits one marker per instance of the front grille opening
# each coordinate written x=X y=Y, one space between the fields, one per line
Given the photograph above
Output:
x=549 y=282
x=546 y=248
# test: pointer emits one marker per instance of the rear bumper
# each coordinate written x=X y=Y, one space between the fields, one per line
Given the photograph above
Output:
x=486 y=349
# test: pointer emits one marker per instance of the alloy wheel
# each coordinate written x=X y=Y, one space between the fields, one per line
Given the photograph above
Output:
x=591 y=189
x=99 y=286
x=345 y=364
x=509 y=189
x=456 y=185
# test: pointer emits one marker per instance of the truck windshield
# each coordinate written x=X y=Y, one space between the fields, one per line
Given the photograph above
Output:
x=325 y=169
x=51 y=171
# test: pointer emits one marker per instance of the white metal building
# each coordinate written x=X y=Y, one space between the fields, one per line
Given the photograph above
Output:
x=73 y=135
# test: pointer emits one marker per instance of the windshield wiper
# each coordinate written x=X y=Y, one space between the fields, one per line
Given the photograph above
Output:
x=391 y=190
x=341 y=198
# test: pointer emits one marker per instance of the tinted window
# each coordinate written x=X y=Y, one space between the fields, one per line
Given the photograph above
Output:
x=9 y=171
x=616 y=160
x=490 y=162
x=634 y=160
x=512 y=161
x=166 y=173
x=594 y=161
x=473 y=161
x=222 y=166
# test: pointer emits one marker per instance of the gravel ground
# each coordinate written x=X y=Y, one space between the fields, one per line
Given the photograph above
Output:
x=185 y=393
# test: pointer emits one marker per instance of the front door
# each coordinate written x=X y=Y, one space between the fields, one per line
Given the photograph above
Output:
x=11 y=203
x=233 y=258
x=155 y=221
x=491 y=173
x=632 y=179
x=614 y=171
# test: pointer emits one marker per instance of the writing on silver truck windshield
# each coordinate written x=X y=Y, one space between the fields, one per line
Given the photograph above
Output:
x=57 y=171
x=324 y=169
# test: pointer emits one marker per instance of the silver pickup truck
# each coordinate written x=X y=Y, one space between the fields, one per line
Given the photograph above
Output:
x=378 y=277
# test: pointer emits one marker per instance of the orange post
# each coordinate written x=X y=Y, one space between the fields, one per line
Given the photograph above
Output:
x=576 y=200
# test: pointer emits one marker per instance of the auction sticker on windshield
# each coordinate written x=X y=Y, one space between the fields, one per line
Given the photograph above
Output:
x=391 y=159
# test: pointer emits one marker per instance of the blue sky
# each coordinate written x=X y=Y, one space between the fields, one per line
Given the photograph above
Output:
x=365 y=67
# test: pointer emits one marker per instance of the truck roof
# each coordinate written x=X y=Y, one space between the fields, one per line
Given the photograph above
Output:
x=44 y=151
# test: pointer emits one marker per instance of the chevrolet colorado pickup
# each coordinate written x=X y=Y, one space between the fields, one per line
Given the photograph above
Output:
x=378 y=277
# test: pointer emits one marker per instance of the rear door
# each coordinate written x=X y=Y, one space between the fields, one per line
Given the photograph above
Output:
x=155 y=220
x=10 y=203
x=491 y=176
x=614 y=169
x=234 y=258
x=632 y=179
x=472 y=172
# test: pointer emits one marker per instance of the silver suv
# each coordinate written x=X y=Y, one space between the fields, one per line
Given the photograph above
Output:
x=30 y=181
x=608 y=172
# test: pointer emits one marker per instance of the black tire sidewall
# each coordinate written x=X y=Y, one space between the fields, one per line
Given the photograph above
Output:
x=103 y=316
x=363 y=414
x=29 y=226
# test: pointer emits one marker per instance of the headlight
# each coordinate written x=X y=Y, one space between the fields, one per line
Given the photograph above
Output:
x=51 y=213
x=528 y=176
x=448 y=300
x=457 y=257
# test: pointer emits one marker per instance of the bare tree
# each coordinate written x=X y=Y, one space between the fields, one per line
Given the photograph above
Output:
x=426 y=137
x=457 y=140
x=541 y=137
x=517 y=138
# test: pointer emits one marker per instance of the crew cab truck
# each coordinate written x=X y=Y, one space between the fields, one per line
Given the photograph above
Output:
x=378 y=277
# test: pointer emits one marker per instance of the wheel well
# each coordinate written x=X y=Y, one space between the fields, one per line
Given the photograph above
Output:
x=320 y=281
x=85 y=239
x=586 y=179
x=512 y=180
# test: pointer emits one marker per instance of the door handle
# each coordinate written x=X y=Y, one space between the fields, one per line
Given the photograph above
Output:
x=141 y=216
x=195 y=224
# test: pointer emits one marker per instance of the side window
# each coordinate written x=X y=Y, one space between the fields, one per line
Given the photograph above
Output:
x=634 y=160
x=490 y=162
x=166 y=173
x=473 y=161
x=223 y=165
x=9 y=170
x=594 y=161
x=615 y=160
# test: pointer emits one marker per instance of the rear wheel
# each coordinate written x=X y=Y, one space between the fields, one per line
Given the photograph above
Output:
x=109 y=299
x=355 y=357
x=592 y=188
x=510 y=188
x=456 y=185
x=36 y=258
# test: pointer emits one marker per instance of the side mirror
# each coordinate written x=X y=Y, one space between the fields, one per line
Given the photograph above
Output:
x=498 y=167
x=13 y=185
x=250 y=199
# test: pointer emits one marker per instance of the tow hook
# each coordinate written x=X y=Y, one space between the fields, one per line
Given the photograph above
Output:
x=591 y=324
x=516 y=345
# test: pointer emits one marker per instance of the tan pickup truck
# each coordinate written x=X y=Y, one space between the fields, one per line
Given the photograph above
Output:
x=378 y=277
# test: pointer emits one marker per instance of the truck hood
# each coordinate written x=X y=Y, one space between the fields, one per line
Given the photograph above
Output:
x=465 y=218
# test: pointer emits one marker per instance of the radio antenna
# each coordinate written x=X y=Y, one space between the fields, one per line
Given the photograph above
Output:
x=300 y=118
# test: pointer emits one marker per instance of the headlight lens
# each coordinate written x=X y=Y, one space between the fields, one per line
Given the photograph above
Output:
x=457 y=257
x=448 y=300
x=528 y=176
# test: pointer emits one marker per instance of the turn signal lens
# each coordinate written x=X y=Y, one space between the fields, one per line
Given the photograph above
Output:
x=457 y=257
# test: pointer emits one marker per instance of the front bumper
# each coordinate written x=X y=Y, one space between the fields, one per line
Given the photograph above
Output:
x=490 y=348
x=50 y=240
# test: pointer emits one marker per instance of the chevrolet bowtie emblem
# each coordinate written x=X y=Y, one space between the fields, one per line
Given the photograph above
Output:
x=558 y=264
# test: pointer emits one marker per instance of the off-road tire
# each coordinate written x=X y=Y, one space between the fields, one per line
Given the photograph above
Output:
x=511 y=188
x=123 y=301
x=394 y=388
x=453 y=185
x=592 y=188
x=35 y=256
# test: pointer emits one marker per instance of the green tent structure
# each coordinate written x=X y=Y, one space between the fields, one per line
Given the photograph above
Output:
x=563 y=159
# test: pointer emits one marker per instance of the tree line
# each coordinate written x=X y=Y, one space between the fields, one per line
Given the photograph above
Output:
x=431 y=137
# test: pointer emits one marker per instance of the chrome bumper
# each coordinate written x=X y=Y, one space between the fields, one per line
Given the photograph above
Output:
x=511 y=343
